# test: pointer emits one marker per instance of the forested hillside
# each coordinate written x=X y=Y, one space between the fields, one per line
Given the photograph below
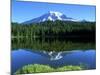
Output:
x=54 y=29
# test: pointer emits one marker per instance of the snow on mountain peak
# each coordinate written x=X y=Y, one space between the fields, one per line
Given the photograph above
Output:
x=55 y=13
x=52 y=16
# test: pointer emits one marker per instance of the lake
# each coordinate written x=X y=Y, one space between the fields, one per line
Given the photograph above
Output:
x=23 y=57
x=53 y=52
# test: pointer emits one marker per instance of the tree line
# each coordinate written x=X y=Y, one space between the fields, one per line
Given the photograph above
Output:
x=54 y=29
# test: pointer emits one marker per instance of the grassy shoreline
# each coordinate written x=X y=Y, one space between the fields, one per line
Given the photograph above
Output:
x=38 y=68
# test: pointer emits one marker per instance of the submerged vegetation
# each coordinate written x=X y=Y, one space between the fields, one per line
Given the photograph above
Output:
x=38 y=68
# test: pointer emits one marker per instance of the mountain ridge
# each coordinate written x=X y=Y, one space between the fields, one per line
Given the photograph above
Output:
x=52 y=16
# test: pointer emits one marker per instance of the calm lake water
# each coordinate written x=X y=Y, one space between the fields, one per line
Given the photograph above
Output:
x=22 y=57
x=55 y=52
x=53 y=44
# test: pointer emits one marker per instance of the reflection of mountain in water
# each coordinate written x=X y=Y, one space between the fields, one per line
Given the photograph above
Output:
x=52 y=55
x=22 y=57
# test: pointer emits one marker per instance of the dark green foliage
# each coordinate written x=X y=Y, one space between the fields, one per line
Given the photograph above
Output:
x=24 y=36
x=54 y=29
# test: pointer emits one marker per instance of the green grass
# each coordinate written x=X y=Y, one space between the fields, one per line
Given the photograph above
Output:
x=38 y=68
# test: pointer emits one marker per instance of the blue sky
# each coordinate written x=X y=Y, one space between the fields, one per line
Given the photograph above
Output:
x=23 y=11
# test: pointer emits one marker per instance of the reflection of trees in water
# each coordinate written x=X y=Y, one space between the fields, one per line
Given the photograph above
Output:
x=52 y=44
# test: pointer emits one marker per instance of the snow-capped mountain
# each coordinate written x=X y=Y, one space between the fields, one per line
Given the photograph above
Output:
x=52 y=16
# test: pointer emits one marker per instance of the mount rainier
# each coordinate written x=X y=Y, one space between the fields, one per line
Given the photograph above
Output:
x=52 y=16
